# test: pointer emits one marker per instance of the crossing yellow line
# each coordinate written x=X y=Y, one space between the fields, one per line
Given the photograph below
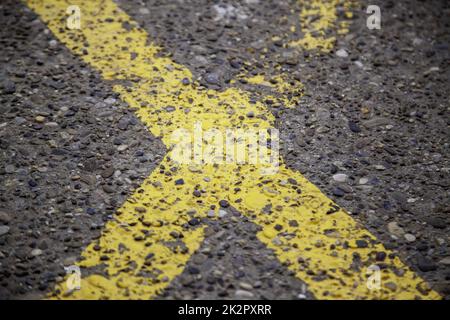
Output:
x=159 y=227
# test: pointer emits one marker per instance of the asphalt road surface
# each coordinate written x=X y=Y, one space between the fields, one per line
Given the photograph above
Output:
x=356 y=206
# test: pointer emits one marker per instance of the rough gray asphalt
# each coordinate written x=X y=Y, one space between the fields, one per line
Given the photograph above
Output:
x=70 y=151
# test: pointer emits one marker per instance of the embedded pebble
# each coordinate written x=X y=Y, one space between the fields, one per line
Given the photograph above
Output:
x=410 y=237
x=340 y=177
x=341 y=53
x=243 y=295
x=3 y=230
x=395 y=229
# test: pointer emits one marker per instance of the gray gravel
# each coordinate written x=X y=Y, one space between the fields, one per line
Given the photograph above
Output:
x=372 y=131
x=62 y=175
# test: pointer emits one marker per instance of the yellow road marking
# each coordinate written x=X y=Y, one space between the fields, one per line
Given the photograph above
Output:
x=138 y=250
x=318 y=18
x=288 y=91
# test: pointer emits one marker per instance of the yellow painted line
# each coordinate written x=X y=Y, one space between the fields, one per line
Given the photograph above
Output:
x=139 y=250
x=317 y=19
x=287 y=92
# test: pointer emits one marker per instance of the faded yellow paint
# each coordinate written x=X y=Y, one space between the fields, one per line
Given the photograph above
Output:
x=318 y=20
x=157 y=229
x=283 y=90
x=259 y=80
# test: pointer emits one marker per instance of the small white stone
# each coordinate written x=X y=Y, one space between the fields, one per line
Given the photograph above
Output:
x=243 y=294
x=363 y=180
x=36 y=252
x=340 y=177
x=52 y=124
x=341 y=53
x=144 y=11
x=359 y=64
x=245 y=286
x=122 y=147
x=445 y=261
x=431 y=70
x=222 y=213
x=410 y=237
